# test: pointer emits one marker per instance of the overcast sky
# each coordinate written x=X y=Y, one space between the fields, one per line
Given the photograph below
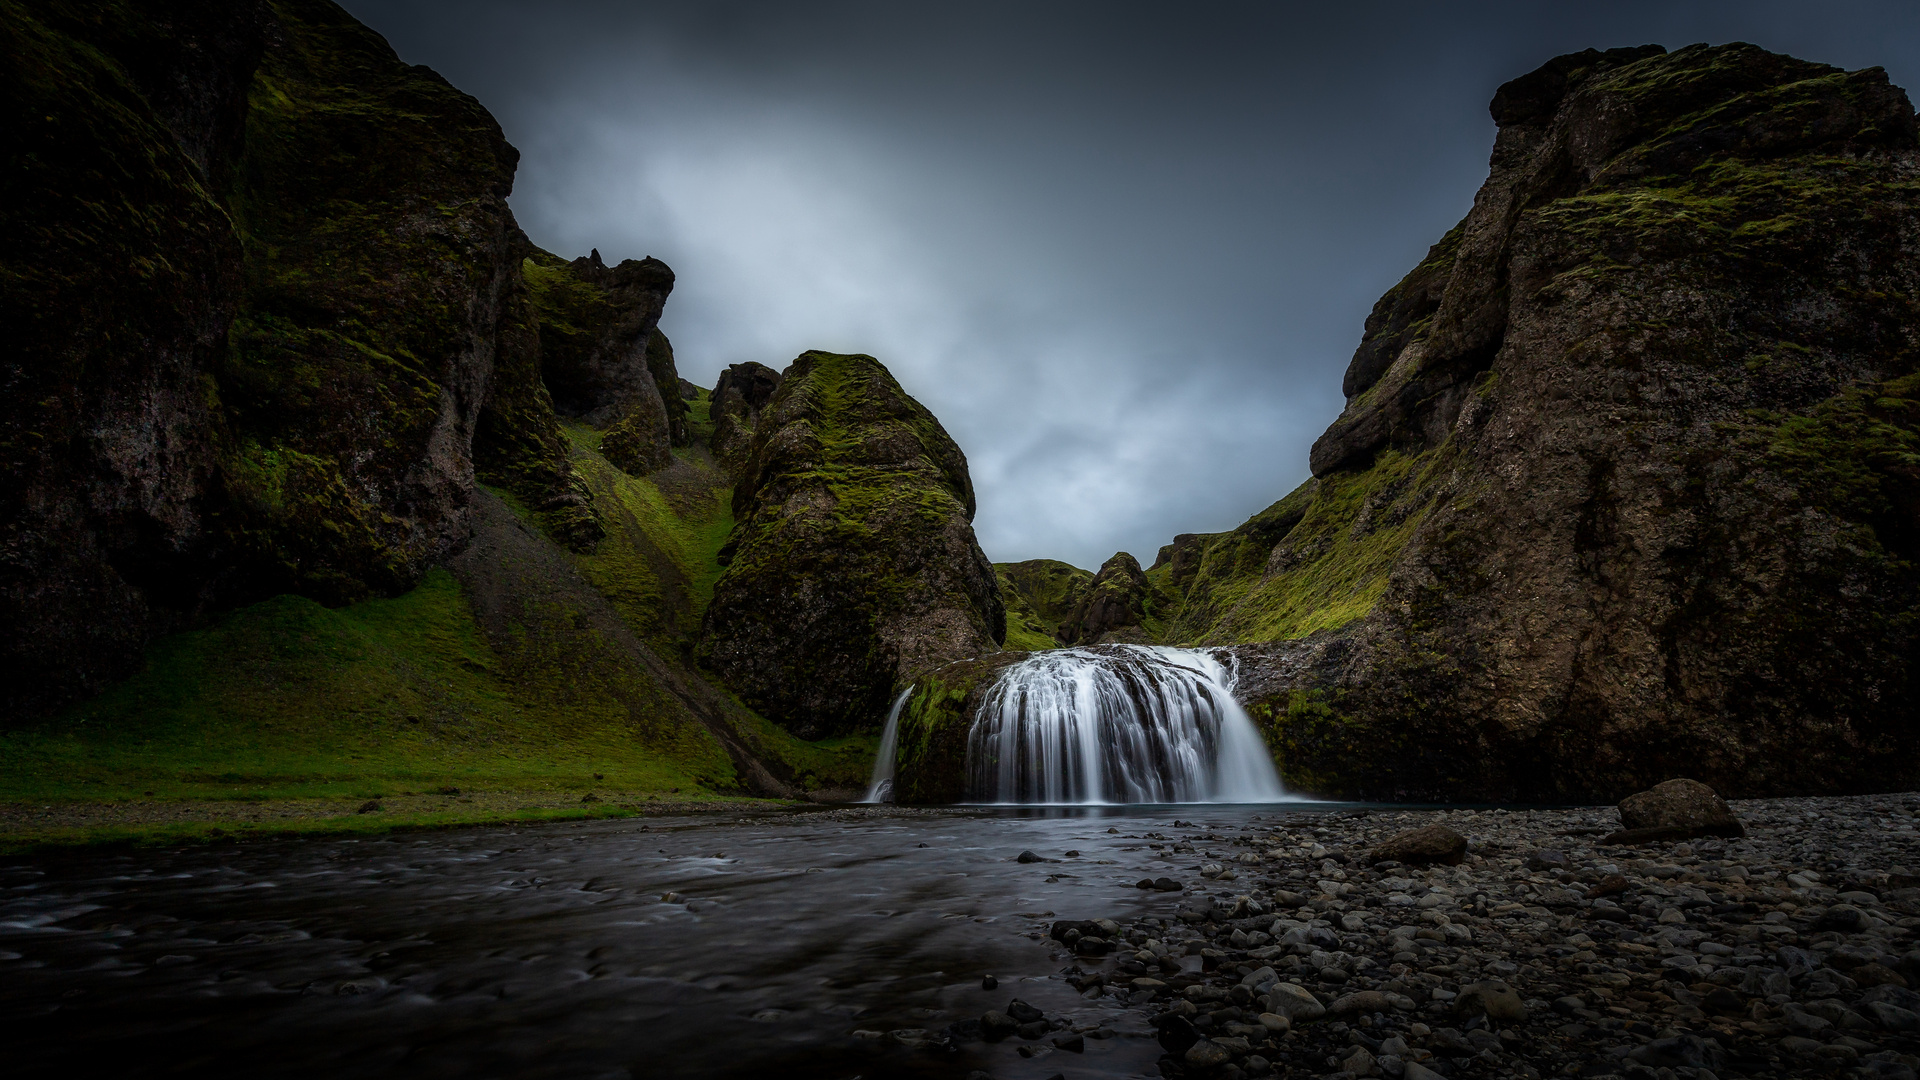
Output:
x=1123 y=251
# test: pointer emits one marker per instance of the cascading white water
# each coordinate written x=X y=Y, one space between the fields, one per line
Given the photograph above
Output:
x=1117 y=724
x=880 y=789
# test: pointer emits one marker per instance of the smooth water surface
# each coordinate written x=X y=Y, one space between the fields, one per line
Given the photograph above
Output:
x=538 y=951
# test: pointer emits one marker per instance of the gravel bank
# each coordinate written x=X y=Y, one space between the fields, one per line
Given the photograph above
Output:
x=1788 y=952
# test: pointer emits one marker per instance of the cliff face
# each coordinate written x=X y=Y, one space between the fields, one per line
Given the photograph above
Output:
x=267 y=308
x=852 y=565
x=1628 y=481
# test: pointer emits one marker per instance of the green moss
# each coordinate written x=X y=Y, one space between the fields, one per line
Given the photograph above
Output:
x=1316 y=560
x=1857 y=456
x=1040 y=594
x=930 y=766
x=286 y=698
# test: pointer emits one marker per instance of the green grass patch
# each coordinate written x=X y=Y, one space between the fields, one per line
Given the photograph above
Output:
x=289 y=699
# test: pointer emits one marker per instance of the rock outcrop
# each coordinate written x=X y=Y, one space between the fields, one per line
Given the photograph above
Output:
x=852 y=565
x=268 y=312
x=1625 y=486
x=1113 y=607
x=734 y=408
x=604 y=358
x=1686 y=806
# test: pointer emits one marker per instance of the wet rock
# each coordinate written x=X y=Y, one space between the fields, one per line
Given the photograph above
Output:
x=1023 y=1013
x=1028 y=857
x=1175 y=1033
x=1205 y=1054
x=1428 y=844
x=996 y=1024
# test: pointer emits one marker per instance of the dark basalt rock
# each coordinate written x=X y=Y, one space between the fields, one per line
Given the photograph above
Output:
x=1623 y=486
x=1113 y=606
x=739 y=395
x=852 y=567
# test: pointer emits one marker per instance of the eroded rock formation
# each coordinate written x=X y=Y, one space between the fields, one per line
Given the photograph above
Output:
x=853 y=564
x=274 y=361
x=1625 y=484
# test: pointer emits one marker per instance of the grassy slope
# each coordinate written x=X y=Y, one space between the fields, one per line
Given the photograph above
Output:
x=287 y=699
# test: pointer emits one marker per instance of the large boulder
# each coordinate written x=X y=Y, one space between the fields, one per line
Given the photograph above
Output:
x=1623 y=487
x=1427 y=844
x=1687 y=806
x=852 y=565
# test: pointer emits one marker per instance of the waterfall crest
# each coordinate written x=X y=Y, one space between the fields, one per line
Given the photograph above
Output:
x=1117 y=724
x=880 y=789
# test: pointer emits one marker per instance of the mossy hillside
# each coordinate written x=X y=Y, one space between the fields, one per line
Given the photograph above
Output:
x=369 y=199
x=1317 y=560
x=660 y=560
x=657 y=566
x=1039 y=594
x=852 y=563
x=286 y=698
x=518 y=445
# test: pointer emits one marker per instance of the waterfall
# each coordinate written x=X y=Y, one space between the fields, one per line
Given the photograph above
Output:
x=1116 y=724
x=880 y=789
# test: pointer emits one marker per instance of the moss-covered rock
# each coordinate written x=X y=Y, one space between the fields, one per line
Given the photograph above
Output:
x=852 y=564
x=1634 y=496
x=1041 y=596
x=930 y=766
x=603 y=355
x=519 y=445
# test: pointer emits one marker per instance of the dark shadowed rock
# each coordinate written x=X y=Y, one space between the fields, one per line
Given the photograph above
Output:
x=1680 y=804
x=852 y=567
x=261 y=373
x=1428 y=844
x=1112 y=607
x=739 y=395
x=1618 y=492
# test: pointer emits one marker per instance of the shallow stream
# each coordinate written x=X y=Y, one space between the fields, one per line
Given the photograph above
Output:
x=538 y=951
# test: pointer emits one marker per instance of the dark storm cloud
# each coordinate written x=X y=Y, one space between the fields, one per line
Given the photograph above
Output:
x=1123 y=251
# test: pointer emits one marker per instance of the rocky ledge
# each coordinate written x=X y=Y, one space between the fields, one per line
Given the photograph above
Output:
x=1521 y=944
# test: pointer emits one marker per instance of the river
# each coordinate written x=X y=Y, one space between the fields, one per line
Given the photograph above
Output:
x=795 y=943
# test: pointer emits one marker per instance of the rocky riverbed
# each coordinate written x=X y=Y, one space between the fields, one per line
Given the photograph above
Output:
x=1543 y=952
x=1019 y=945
